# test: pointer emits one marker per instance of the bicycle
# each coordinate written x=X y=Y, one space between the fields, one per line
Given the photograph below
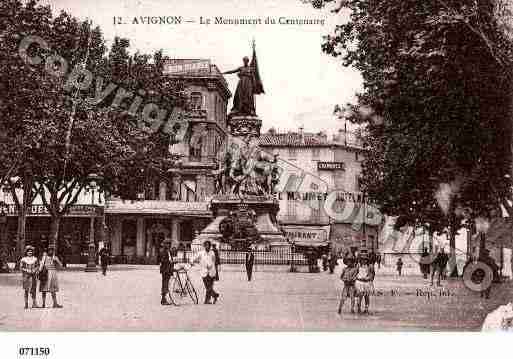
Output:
x=181 y=288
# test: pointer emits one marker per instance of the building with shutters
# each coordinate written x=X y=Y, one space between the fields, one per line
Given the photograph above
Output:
x=176 y=205
x=321 y=203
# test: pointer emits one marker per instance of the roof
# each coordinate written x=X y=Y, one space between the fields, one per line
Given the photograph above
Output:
x=294 y=139
x=309 y=140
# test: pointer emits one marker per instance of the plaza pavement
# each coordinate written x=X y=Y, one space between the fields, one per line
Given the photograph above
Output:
x=128 y=299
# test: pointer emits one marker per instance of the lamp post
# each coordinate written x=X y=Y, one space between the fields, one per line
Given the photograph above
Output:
x=4 y=267
x=482 y=226
x=91 y=258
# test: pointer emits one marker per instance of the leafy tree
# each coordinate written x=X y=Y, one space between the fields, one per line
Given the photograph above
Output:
x=53 y=139
x=436 y=105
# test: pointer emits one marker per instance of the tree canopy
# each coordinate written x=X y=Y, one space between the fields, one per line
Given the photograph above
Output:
x=61 y=133
x=436 y=104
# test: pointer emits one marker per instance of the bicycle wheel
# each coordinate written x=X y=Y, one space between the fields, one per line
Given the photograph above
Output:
x=177 y=292
x=192 y=291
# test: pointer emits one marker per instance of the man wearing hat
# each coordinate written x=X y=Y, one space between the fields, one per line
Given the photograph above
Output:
x=207 y=262
x=166 y=269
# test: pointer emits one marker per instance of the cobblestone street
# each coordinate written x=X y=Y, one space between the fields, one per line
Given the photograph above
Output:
x=127 y=299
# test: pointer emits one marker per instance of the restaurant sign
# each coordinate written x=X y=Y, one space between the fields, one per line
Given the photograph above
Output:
x=330 y=166
x=305 y=234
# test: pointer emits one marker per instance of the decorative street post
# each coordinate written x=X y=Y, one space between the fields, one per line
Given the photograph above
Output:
x=91 y=259
x=4 y=267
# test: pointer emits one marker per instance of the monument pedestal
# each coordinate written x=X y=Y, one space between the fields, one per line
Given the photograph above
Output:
x=265 y=208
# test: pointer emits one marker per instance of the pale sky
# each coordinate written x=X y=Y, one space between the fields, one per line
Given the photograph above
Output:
x=302 y=84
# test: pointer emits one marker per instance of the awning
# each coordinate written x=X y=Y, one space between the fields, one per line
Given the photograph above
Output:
x=311 y=244
x=158 y=207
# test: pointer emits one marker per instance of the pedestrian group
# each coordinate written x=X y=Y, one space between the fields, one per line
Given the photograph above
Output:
x=44 y=271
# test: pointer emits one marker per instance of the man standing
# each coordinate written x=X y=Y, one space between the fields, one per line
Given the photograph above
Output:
x=437 y=267
x=378 y=260
x=207 y=262
x=332 y=261
x=104 y=259
x=217 y=260
x=399 y=265
x=250 y=260
x=166 y=269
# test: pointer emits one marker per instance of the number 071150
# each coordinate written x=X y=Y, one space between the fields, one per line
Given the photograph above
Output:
x=34 y=351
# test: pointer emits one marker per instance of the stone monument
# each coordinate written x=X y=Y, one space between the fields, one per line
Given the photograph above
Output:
x=244 y=205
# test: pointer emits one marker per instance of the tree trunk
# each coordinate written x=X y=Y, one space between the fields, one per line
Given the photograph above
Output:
x=452 y=258
x=54 y=230
x=20 y=235
x=23 y=209
x=4 y=266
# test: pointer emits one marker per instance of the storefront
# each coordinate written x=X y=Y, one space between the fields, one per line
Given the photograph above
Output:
x=136 y=230
x=74 y=230
x=306 y=238
x=346 y=235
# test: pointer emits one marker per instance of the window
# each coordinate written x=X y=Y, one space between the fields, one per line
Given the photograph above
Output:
x=316 y=153
x=338 y=178
x=196 y=101
x=292 y=153
x=291 y=209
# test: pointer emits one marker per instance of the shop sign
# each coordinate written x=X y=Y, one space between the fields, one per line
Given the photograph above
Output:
x=305 y=234
x=330 y=166
x=186 y=66
x=41 y=210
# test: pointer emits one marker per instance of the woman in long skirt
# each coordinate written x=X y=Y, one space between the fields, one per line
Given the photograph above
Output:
x=50 y=262
x=29 y=268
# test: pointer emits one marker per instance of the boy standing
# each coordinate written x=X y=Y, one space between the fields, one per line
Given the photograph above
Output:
x=348 y=276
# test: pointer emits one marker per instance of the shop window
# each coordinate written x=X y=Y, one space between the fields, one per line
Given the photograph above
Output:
x=316 y=153
x=128 y=237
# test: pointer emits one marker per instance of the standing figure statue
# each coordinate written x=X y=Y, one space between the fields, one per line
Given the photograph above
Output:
x=248 y=86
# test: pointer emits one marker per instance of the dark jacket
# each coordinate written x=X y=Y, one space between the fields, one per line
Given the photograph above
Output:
x=166 y=265
x=217 y=258
x=250 y=259
x=104 y=256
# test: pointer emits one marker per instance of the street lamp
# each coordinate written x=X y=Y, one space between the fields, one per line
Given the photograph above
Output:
x=4 y=267
x=91 y=258
x=482 y=226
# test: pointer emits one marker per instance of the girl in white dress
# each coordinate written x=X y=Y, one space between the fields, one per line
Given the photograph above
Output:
x=365 y=283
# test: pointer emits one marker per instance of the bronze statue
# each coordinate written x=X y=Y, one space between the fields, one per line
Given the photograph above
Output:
x=249 y=85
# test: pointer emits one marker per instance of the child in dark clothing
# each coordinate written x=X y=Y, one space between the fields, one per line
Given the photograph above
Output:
x=348 y=276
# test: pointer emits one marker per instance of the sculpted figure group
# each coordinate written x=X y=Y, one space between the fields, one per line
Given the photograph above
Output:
x=247 y=170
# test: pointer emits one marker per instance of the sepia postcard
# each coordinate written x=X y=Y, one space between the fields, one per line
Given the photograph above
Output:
x=262 y=166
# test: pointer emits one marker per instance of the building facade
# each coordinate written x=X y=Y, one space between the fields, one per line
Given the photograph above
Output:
x=176 y=205
x=321 y=203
